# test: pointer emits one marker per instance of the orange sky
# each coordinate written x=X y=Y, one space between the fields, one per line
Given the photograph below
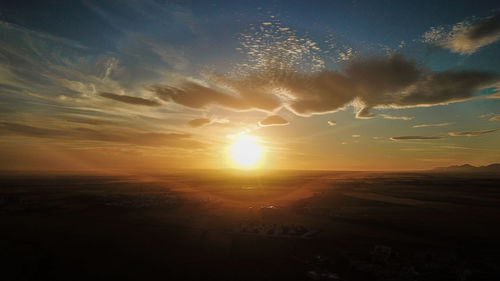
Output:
x=172 y=90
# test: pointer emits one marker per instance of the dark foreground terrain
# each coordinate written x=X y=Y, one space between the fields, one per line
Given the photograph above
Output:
x=237 y=226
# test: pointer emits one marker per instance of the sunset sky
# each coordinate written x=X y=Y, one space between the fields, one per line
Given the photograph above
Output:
x=153 y=86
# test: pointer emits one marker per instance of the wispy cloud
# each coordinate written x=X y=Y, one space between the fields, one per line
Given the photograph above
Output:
x=472 y=133
x=124 y=136
x=486 y=115
x=193 y=95
x=130 y=99
x=87 y=120
x=392 y=117
x=455 y=147
x=433 y=125
x=495 y=118
x=466 y=37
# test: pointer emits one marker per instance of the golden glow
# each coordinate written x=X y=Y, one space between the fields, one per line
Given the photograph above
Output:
x=245 y=151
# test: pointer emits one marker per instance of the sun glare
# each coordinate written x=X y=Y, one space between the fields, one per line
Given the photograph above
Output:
x=245 y=151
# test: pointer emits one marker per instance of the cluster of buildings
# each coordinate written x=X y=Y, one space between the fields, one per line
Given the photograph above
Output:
x=276 y=230
x=383 y=263
x=11 y=203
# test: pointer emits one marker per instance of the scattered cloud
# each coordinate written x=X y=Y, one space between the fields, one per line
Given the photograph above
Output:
x=392 y=117
x=415 y=138
x=332 y=122
x=273 y=120
x=199 y=122
x=130 y=99
x=472 y=133
x=466 y=37
x=356 y=136
x=346 y=55
x=433 y=125
x=279 y=47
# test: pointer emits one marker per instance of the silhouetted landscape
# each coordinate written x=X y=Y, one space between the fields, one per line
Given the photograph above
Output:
x=493 y=169
x=230 y=225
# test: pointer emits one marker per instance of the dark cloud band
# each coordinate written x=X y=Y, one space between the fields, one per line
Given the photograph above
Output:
x=273 y=120
x=130 y=99
x=367 y=83
x=199 y=122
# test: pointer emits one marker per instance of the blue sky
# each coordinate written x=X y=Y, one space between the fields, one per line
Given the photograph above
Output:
x=123 y=81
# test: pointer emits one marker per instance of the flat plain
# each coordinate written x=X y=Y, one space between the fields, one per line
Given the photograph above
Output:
x=227 y=225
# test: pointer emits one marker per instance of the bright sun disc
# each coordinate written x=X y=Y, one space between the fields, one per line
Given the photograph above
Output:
x=245 y=151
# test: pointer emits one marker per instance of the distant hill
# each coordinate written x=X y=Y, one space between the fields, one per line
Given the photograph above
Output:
x=467 y=168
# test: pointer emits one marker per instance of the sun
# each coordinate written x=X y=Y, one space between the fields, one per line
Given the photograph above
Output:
x=245 y=151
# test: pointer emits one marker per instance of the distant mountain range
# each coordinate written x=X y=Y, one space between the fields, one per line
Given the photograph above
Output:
x=467 y=168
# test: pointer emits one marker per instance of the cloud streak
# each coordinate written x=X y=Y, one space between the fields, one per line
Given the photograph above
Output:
x=392 y=117
x=433 y=125
x=196 y=96
x=403 y=138
x=486 y=115
x=130 y=99
x=472 y=133
x=495 y=118
x=115 y=136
